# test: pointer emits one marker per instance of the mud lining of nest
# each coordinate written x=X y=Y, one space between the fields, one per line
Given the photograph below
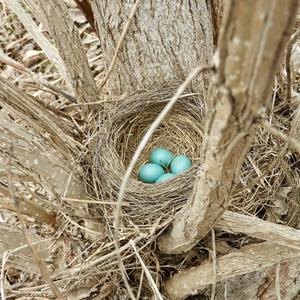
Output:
x=181 y=132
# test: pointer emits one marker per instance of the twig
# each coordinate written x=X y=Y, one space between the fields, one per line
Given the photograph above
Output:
x=277 y=282
x=4 y=59
x=49 y=50
x=120 y=43
x=85 y=7
x=140 y=148
x=289 y=49
x=225 y=289
x=214 y=265
x=92 y=201
x=252 y=226
x=2 y=275
x=148 y=275
x=87 y=265
x=79 y=226
x=141 y=284
x=291 y=141
x=20 y=67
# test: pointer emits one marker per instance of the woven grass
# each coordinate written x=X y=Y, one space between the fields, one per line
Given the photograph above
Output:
x=125 y=127
x=264 y=170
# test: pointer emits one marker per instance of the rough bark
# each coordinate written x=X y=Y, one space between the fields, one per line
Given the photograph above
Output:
x=12 y=240
x=260 y=229
x=49 y=50
x=251 y=47
x=42 y=153
x=250 y=258
x=163 y=44
x=39 y=117
x=56 y=19
x=27 y=207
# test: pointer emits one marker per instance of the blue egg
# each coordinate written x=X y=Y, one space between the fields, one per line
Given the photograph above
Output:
x=180 y=163
x=149 y=172
x=161 y=156
x=165 y=177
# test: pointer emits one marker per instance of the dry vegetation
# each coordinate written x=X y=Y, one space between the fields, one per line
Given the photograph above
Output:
x=64 y=151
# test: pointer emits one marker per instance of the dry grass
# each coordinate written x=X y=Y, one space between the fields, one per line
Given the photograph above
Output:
x=109 y=141
x=266 y=168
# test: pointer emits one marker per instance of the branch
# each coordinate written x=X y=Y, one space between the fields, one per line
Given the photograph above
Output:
x=85 y=7
x=37 y=159
x=56 y=19
x=251 y=46
x=248 y=259
x=288 y=55
x=260 y=229
x=36 y=114
x=49 y=50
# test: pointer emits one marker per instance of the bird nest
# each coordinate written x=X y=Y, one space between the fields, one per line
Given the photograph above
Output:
x=181 y=132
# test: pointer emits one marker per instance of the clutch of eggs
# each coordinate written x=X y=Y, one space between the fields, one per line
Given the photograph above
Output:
x=161 y=162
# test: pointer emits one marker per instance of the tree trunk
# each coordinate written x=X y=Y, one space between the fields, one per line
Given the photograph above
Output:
x=164 y=42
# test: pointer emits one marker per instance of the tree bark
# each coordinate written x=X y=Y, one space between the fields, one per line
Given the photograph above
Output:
x=55 y=17
x=248 y=259
x=251 y=47
x=164 y=42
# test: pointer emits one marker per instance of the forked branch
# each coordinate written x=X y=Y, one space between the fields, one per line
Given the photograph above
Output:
x=250 y=48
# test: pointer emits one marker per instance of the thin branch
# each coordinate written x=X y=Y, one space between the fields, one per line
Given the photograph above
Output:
x=89 y=264
x=289 y=50
x=295 y=144
x=35 y=77
x=248 y=259
x=148 y=275
x=214 y=265
x=50 y=51
x=2 y=275
x=277 y=282
x=28 y=208
x=120 y=43
x=85 y=7
x=278 y=234
x=4 y=59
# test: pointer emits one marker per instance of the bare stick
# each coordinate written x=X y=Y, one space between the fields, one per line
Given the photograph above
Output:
x=278 y=234
x=288 y=139
x=289 y=49
x=2 y=275
x=214 y=265
x=148 y=275
x=277 y=282
x=248 y=259
x=20 y=67
x=4 y=59
x=120 y=43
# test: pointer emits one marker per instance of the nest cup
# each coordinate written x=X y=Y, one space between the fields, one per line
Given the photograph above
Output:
x=180 y=132
x=263 y=172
